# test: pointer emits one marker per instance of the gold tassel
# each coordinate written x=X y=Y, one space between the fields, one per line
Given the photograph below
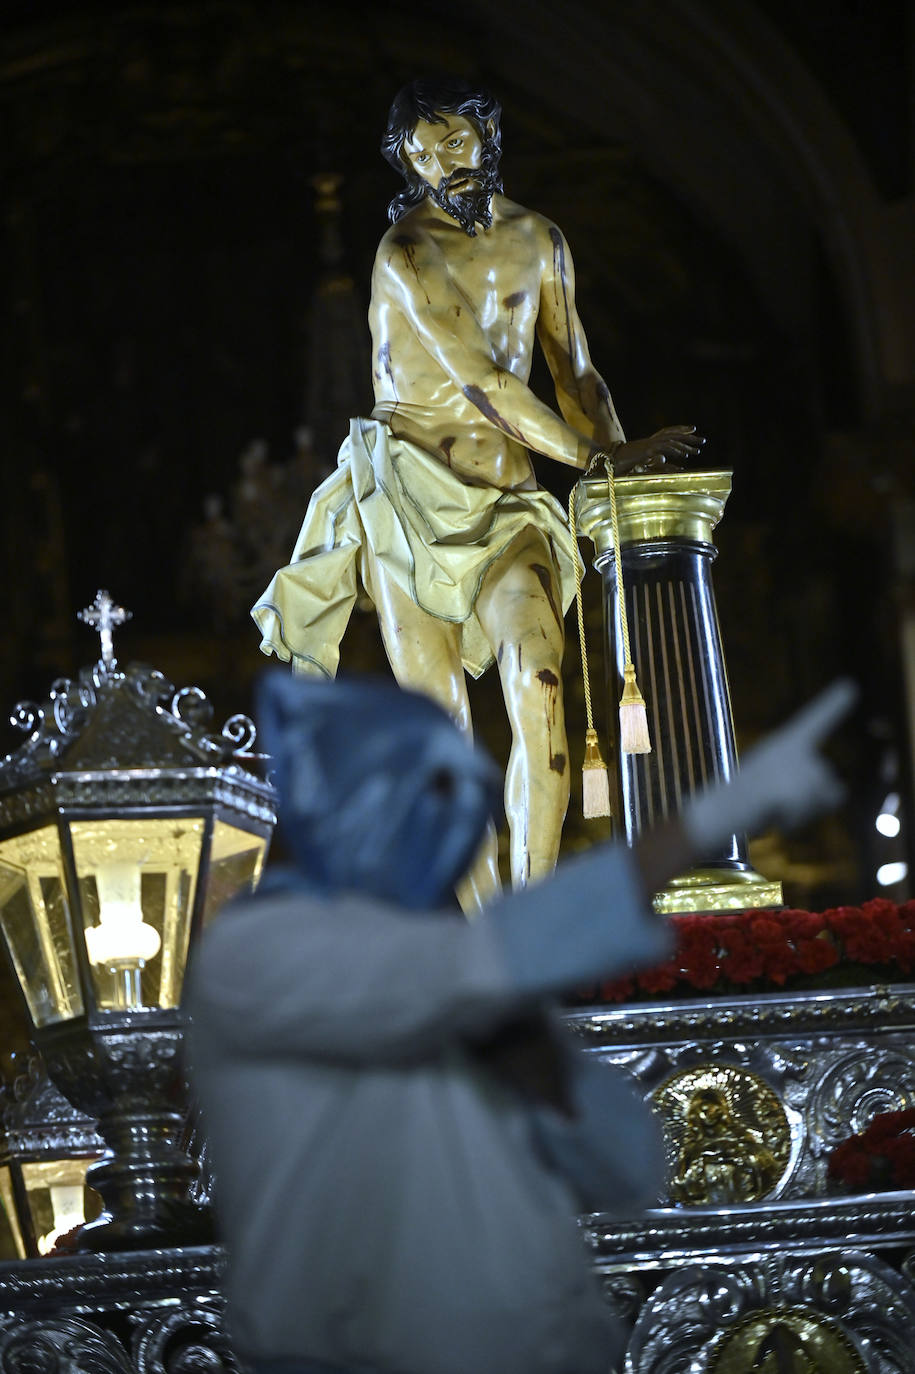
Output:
x=595 y=779
x=634 y=737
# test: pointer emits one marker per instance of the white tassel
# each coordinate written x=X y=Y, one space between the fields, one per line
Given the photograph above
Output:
x=634 y=738
x=595 y=780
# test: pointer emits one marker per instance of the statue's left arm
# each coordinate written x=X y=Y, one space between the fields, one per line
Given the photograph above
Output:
x=582 y=394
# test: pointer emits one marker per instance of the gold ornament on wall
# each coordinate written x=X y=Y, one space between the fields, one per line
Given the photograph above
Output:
x=728 y=1135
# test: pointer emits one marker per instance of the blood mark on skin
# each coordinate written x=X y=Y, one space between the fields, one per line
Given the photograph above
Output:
x=446 y=446
x=512 y=302
x=477 y=397
x=559 y=273
x=545 y=578
x=408 y=248
x=550 y=683
x=384 y=358
x=559 y=282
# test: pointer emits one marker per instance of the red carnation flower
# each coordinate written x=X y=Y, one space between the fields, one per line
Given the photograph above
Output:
x=813 y=956
x=900 y=1153
x=850 y=1165
x=804 y=925
x=618 y=990
x=881 y=1156
x=779 y=962
x=887 y=1124
x=660 y=979
x=766 y=931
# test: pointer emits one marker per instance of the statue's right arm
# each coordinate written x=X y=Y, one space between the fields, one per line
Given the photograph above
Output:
x=355 y=980
x=412 y=279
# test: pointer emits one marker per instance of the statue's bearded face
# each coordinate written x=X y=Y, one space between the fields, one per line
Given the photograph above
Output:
x=459 y=167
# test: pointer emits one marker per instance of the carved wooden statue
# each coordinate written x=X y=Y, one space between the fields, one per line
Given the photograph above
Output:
x=434 y=503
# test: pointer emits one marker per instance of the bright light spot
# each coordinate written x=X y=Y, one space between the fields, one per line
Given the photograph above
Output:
x=888 y=824
x=887 y=874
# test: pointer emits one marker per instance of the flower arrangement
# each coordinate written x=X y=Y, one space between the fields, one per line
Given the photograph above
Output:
x=881 y=1157
x=762 y=950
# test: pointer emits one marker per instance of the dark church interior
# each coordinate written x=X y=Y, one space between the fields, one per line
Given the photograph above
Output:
x=192 y=197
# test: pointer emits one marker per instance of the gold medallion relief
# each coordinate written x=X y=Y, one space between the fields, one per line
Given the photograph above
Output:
x=728 y=1135
x=791 y=1340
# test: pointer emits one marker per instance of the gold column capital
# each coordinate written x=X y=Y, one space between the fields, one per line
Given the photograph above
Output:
x=653 y=505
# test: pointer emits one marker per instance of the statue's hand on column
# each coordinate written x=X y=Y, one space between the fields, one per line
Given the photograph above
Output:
x=659 y=451
x=783 y=781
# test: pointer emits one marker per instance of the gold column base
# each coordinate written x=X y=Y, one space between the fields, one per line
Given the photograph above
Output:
x=717 y=889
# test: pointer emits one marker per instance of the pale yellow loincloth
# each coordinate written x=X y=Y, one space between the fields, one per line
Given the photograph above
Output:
x=436 y=536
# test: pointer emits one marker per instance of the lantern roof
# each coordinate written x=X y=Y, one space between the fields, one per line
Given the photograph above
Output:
x=37 y=1120
x=114 y=737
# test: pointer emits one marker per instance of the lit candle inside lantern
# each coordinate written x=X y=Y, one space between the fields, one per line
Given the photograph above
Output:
x=67 y=1202
x=122 y=941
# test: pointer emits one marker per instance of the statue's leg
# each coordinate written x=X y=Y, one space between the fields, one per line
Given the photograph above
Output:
x=520 y=610
x=425 y=655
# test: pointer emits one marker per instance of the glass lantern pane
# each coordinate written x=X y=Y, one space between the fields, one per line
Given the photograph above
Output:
x=137 y=880
x=59 y=1198
x=34 y=920
x=12 y=1246
x=236 y=863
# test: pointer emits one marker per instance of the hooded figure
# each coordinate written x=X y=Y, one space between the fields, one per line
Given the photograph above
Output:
x=379 y=793
x=400 y=1134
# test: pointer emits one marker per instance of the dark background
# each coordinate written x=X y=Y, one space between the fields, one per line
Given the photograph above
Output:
x=184 y=324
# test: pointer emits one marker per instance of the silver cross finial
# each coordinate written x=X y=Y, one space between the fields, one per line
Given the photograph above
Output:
x=104 y=615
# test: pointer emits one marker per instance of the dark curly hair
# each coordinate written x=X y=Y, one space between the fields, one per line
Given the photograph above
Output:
x=428 y=98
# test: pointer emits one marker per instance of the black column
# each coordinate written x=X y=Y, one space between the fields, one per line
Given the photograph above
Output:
x=665 y=525
x=676 y=648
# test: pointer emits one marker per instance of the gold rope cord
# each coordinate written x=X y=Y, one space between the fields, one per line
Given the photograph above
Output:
x=634 y=738
x=620 y=594
x=581 y=614
x=595 y=780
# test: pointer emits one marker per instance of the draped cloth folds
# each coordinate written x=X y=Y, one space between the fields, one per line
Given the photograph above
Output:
x=391 y=502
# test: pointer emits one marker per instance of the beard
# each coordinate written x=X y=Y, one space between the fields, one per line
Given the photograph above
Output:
x=473 y=206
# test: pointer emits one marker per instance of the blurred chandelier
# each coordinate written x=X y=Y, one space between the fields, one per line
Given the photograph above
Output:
x=125 y=823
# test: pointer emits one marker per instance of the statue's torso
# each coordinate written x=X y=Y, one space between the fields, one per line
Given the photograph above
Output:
x=496 y=276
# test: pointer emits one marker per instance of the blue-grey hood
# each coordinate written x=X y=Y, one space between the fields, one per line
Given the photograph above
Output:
x=379 y=792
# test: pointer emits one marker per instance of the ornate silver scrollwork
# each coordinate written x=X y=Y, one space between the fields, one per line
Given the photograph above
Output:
x=240 y=731
x=192 y=708
x=856 y=1086
x=669 y=1332
x=150 y=685
x=28 y=716
x=849 y=1313
x=71 y=703
x=61 y=1345
x=624 y=1294
x=187 y=1340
